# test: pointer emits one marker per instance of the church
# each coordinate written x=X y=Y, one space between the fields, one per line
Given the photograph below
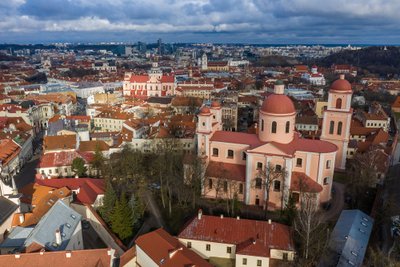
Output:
x=268 y=167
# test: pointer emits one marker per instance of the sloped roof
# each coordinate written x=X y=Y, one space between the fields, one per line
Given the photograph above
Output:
x=7 y=207
x=89 y=188
x=252 y=237
x=88 y=258
x=300 y=182
x=59 y=142
x=349 y=239
x=63 y=158
x=60 y=217
x=167 y=251
x=226 y=171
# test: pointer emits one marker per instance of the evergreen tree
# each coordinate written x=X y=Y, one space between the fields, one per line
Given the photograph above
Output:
x=122 y=218
x=78 y=167
x=137 y=209
x=98 y=160
x=109 y=200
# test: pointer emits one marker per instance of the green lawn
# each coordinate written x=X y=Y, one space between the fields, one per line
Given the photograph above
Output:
x=340 y=177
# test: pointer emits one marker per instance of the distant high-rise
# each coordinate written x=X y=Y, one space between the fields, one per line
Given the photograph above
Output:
x=160 y=47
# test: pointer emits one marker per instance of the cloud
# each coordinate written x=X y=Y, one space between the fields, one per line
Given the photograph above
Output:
x=230 y=20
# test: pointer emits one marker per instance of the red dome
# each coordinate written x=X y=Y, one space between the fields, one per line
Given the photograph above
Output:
x=278 y=104
x=215 y=104
x=205 y=110
x=341 y=85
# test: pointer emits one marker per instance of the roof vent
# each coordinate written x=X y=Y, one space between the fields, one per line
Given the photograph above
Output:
x=222 y=216
x=361 y=230
x=351 y=263
x=354 y=253
x=17 y=256
x=73 y=216
x=365 y=219
x=68 y=254
x=237 y=217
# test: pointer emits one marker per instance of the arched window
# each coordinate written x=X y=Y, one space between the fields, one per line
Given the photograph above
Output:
x=287 y=126
x=273 y=127
x=339 y=128
x=258 y=183
x=331 y=127
x=339 y=103
x=262 y=125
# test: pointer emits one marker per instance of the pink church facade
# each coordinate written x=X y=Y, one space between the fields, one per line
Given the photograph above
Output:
x=270 y=165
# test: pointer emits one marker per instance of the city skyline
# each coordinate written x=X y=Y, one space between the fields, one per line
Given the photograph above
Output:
x=258 y=22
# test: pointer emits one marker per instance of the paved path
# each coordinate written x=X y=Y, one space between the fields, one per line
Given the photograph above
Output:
x=337 y=202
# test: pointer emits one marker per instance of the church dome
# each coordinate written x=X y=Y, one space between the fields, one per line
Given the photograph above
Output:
x=278 y=104
x=205 y=110
x=341 y=84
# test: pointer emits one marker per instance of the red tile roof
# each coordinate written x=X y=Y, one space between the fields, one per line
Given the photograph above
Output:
x=87 y=258
x=307 y=145
x=89 y=188
x=8 y=150
x=226 y=171
x=139 y=78
x=167 y=251
x=300 y=182
x=59 y=142
x=236 y=138
x=251 y=237
x=63 y=158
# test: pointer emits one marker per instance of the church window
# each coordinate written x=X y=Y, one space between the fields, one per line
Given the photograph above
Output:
x=326 y=180
x=210 y=183
x=278 y=167
x=225 y=186
x=215 y=152
x=287 y=126
x=277 y=186
x=258 y=183
x=328 y=164
x=244 y=155
x=299 y=162
x=262 y=125
x=273 y=127
x=259 y=165
x=339 y=129
x=240 y=188
x=339 y=103
x=204 y=124
x=331 y=127
x=230 y=153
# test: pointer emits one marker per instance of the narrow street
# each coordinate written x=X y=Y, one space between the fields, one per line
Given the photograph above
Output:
x=337 y=202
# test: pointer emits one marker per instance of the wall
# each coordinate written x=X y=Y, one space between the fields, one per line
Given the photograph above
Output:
x=76 y=240
x=143 y=260
x=251 y=261
x=216 y=250
x=100 y=227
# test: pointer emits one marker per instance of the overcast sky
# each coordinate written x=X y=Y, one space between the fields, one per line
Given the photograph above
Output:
x=220 y=21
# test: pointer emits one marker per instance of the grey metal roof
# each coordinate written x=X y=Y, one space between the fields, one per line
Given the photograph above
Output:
x=7 y=208
x=61 y=217
x=17 y=237
x=349 y=240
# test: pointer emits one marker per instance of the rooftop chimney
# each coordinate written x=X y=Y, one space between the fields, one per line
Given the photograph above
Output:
x=341 y=76
x=58 y=237
x=222 y=216
x=237 y=218
x=199 y=214
x=68 y=254
x=269 y=221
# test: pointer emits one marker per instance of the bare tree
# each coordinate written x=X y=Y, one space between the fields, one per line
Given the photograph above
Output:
x=309 y=227
x=265 y=180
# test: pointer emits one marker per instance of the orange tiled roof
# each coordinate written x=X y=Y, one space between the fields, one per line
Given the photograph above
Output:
x=59 y=142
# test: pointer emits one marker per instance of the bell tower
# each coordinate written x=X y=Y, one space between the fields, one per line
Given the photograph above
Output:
x=337 y=119
x=204 y=131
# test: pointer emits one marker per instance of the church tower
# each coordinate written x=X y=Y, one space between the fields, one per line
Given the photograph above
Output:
x=277 y=117
x=204 y=131
x=337 y=119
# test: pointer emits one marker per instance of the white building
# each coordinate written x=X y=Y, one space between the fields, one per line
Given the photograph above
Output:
x=247 y=242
